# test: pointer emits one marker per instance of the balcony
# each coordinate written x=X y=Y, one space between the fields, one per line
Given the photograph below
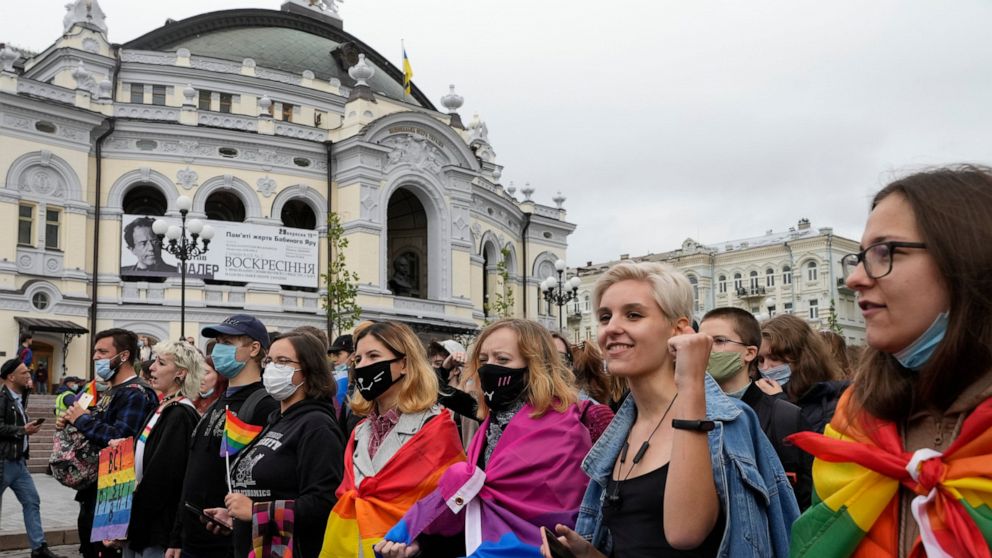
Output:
x=751 y=292
x=842 y=287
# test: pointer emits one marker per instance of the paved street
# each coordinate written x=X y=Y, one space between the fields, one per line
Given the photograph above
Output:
x=58 y=515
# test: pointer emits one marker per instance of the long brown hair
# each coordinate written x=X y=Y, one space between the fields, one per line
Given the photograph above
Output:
x=953 y=211
x=549 y=382
x=790 y=339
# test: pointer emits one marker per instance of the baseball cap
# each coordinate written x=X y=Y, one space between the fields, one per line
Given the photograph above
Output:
x=449 y=346
x=342 y=343
x=240 y=324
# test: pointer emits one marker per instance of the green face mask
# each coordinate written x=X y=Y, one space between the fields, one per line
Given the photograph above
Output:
x=723 y=366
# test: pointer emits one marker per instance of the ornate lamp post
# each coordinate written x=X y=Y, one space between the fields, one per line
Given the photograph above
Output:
x=184 y=247
x=560 y=293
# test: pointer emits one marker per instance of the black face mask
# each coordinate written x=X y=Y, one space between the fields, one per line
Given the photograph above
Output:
x=375 y=379
x=502 y=386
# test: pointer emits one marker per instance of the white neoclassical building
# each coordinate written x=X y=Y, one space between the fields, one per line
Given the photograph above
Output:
x=797 y=272
x=268 y=120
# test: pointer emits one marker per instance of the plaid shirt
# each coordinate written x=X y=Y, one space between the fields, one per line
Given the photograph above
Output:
x=122 y=417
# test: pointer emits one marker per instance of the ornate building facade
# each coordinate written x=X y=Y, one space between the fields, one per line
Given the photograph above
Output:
x=793 y=272
x=267 y=120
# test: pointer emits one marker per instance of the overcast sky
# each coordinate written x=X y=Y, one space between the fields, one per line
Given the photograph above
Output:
x=662 y=119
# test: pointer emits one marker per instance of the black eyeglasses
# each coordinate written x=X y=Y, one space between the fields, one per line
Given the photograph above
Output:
x=876 y=258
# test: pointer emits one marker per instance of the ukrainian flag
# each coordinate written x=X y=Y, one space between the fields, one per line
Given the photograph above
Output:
x=407 y=72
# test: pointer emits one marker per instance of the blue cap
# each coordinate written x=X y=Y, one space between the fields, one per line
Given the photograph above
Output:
x=240 y=324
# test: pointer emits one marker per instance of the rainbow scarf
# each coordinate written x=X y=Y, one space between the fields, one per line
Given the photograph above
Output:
x=237 y=434
x=533 y=479
x=363 y=515
x=857 y=475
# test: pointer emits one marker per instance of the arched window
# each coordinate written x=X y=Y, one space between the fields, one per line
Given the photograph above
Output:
x=722 y=282
x=754 y=279
x=145 y=199
x=786 y=275
x=738 y=281
x=769 y=277
x=588 y=303
x=811 y=271
x=406 y=245
x=225 y=205
x=299 y=215
x=695 y=287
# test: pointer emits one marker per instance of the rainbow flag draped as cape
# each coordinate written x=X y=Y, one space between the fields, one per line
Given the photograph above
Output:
x=237 y=434
x=533 y=479
x=363 y=515
x=856 y=478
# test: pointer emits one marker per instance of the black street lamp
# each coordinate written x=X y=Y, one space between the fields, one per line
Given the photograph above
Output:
x=182 y=247
x=560 y=293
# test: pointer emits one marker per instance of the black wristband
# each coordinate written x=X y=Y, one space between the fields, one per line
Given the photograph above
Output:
x=695 y=425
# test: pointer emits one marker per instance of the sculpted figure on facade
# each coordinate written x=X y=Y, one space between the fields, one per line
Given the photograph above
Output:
x=404 y=279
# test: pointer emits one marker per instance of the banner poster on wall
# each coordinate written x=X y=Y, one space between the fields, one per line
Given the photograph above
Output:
x=244 y=252
x=114 y=489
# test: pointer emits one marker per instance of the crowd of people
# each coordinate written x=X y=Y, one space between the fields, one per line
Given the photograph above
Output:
x=661 y=438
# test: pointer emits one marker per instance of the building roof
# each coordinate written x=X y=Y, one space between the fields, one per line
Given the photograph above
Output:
x=279 y=40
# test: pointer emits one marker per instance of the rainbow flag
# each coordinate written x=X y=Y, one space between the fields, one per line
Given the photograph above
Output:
x=362 y=516
x=237 y=434
x=856 y=478
x=407 y=72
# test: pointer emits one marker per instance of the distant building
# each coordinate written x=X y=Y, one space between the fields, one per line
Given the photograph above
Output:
x=793 y=272
x=268 y=120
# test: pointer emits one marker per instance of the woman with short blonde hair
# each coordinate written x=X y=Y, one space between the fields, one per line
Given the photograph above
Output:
x=162 y=448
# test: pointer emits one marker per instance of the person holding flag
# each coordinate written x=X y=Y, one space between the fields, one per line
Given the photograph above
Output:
x=241 y=344
x=283 y=478
x=397 y=455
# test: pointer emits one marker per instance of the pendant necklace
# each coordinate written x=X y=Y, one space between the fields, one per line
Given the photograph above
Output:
x=614 y=498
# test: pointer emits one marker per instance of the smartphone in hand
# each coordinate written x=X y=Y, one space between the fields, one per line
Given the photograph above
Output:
x=557 y=549
x=204 y=517
x=38 y=421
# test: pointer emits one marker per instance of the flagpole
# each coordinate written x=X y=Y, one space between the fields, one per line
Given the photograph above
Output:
x=227 y=456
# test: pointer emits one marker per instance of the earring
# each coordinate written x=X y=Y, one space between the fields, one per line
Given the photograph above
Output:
x=606 y=367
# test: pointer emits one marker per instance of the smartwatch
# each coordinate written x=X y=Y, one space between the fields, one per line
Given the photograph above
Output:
x=695 y=425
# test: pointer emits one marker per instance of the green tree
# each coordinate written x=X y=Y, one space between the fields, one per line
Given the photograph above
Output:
x=832 y=322
x=342 y=285
x=502 y=305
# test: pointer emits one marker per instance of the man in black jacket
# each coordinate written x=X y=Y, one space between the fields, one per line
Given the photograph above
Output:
x=736 y=338
x=14 y=448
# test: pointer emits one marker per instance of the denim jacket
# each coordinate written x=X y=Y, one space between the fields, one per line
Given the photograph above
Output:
x=755 y=496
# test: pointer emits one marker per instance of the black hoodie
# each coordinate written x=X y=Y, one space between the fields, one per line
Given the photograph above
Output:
x=300 y=457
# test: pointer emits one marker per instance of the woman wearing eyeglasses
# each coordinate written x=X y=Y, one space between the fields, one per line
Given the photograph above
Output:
x=905 y=466
x=295 y=463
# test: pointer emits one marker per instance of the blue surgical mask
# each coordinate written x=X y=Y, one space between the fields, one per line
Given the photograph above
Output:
x=780 y=373
x=341 y=371
x=206 y=394
x=104 y=369
x=225 y=363
x=916 y=355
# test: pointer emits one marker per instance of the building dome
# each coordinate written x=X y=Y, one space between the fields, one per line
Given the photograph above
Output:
x=283 y=41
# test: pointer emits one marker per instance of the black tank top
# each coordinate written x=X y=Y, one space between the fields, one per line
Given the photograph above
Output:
x=637 y=520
